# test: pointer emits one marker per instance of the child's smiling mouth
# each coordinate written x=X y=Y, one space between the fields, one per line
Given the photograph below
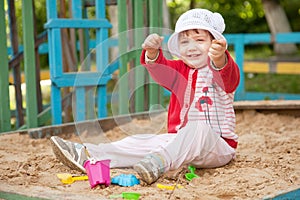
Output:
x=194 y=55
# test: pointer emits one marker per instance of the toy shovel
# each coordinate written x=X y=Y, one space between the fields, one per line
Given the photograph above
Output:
x=126 y=195
x=69 y=179
x=191 y=175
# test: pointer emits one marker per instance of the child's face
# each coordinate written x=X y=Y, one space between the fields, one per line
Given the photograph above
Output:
x=194 y=46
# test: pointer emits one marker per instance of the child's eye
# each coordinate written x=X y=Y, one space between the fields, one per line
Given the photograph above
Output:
x=183 y=42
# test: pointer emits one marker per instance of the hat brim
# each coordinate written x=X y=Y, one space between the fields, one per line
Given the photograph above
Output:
x=173 y=40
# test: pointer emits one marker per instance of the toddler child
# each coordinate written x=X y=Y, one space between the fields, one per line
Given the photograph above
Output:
x=201 y=118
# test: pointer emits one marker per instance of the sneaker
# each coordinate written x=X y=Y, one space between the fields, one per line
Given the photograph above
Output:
x=71 y=154
x=150 y=168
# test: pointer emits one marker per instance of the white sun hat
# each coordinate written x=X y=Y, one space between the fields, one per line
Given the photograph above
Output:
x=197 y=19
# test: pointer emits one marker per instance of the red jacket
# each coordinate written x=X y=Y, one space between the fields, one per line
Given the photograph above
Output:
x=173 y=75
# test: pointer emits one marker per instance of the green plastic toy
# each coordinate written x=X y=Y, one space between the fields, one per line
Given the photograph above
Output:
x=191 y=175
x=126 y=195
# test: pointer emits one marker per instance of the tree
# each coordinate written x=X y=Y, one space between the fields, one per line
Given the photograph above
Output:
x=278 y=23
x=248 y=16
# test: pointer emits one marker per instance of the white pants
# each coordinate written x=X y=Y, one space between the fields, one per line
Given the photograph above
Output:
x=195 y=144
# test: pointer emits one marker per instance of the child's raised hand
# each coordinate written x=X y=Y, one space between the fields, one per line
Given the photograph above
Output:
x=152 y=44
x=217 y=52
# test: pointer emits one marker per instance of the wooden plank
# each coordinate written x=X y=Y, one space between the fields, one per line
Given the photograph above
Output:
x=93 y=126
x=256 y=67
x=81 y=79
x=13 y=196
x=290 y=107
x=265 y=67
x=274 y=104
x=291 y=37
x=78 y=23
x=288 y=68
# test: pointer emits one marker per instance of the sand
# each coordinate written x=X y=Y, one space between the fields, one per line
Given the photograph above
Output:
x=267 y=163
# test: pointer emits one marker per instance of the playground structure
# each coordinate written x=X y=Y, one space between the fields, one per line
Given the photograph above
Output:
x=70 y=81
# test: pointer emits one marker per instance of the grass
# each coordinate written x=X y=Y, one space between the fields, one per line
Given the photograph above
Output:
x=279 y=83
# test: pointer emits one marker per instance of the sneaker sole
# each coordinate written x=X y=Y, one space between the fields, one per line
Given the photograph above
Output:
x=59 y=153
x=144 y=173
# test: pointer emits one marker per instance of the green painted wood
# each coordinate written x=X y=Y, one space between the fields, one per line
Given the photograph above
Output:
x=123 y=80
x=12 y=196
x=29 y=64
x=139 y=70
x=155 y=22
x=4 y=84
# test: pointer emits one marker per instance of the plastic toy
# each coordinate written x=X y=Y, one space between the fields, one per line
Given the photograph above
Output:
x=98 y=172
x=126 y=195
x=191 y=175
x=125 y=180
x=69 y=179
x=168 y=187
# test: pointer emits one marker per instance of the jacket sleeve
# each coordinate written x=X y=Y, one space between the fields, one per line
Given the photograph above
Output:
x=229 y=76
x=163 y=71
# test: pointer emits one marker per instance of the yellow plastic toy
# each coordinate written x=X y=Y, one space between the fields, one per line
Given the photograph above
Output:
x=168 y=187
x=69 y=179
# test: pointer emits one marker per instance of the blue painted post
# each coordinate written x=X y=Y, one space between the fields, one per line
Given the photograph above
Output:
x=54 y=41
x=239 y=58
x=102 y=55
x=80 y=103
x=78 y=80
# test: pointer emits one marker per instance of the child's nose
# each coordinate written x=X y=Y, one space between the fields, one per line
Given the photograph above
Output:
x=192 y=45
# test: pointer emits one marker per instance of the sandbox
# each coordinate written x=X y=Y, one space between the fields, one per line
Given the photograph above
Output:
x=267 y=161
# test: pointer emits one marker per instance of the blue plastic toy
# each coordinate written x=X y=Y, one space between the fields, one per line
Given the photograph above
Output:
x=125 y=180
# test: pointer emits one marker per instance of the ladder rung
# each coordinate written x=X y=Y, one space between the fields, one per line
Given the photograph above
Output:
x=78 y=23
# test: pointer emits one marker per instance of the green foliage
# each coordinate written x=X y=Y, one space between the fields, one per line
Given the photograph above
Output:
x=41 y=18
x=40 y=12
x=292 y=8
x=240 y=16
x=282 y=83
